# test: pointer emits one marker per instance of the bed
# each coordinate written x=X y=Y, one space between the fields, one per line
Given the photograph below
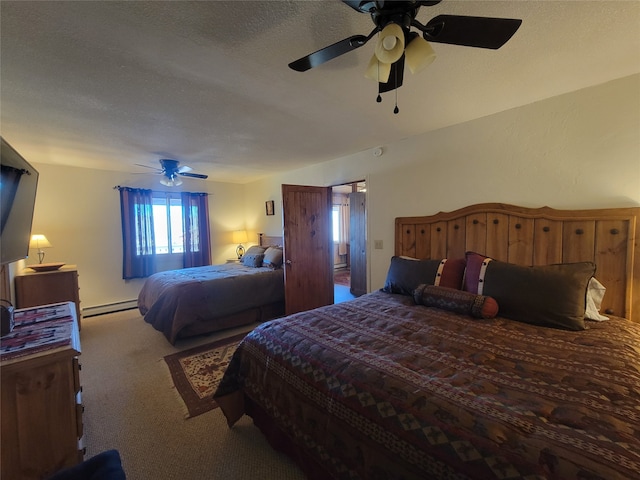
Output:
x=200 y=300
x=426 y=381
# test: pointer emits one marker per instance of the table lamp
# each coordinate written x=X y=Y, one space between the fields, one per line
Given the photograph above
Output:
x=39 y=242
x=239 y=237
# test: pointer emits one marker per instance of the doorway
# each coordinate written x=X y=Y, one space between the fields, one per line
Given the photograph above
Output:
x=349 y=240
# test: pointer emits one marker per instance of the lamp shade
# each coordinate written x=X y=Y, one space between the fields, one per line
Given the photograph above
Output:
x=390 y=46
x=39 y=241
x=419 y=54
x=378 y=71
x=239 y=236
x=171 y=182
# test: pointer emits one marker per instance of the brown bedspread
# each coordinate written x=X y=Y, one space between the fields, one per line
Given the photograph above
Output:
x=381 y=388
x=173 y=300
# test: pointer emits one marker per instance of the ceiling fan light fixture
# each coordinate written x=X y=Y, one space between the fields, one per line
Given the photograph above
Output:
x=419 y=54
x=390 y=46
x=378 y=71
x=172 y=181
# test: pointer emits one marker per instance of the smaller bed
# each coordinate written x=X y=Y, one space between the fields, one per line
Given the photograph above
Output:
x=195 y=301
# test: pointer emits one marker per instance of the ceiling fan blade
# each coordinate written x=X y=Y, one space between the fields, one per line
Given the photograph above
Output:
x=328 y=53
x=194 y=175
x=184 y=169
x=395 y=77
x=481 y=32
x=147 y=166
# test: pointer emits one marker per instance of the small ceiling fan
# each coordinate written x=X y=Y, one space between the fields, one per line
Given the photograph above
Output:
x=397 y=43
x=172 y=172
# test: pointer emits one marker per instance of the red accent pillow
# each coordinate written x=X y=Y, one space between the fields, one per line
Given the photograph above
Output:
x=450 y=273
x=475 y=271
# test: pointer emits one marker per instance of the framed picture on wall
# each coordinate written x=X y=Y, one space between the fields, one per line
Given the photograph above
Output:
x=269 y=206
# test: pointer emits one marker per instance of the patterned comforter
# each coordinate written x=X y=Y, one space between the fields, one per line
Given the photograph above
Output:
x=171 y=301
x=381 y=388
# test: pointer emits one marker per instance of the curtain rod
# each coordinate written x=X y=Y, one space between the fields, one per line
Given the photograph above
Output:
x=120 y=187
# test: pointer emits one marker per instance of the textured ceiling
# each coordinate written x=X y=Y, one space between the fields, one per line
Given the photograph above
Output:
x=107 y=85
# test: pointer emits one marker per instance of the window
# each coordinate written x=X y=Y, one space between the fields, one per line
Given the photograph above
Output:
x=163 y=230
x=335 y=217
x=168 y=229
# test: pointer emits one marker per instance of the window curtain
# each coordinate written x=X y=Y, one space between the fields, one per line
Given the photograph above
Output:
x=136 y=208
x=195 y=222
x=343 y=229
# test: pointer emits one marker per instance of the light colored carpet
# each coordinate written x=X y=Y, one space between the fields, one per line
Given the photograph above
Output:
x=132 y=406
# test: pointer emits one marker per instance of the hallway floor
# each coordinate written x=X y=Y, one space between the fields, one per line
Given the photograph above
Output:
x=341 y=293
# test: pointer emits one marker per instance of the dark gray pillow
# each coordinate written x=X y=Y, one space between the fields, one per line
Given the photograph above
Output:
x=252 y=259
x=405 y=274
x=273 y=257
x=547 y=295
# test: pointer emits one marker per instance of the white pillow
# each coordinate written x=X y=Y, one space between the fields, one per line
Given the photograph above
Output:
x=595 y=294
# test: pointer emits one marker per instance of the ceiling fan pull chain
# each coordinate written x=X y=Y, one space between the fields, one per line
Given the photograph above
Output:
x=396 y=110
x=379 y=97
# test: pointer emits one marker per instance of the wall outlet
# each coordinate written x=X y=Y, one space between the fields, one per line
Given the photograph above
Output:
x=377 y=244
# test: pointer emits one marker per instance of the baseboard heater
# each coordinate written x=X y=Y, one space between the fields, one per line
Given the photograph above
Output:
x=109 y=308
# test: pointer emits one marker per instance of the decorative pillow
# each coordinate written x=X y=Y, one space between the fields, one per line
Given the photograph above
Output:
x=252 y=259
x=595 y=294
x=254 y=249
x=405 y=274
x=273 y=257
x=547 y=295
x=478 y=306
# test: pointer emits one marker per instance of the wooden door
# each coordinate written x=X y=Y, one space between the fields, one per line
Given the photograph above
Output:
x=358 y=243
x=308 y=266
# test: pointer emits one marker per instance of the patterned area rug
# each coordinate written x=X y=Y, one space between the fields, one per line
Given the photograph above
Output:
x=342 y=277
x=197 y=372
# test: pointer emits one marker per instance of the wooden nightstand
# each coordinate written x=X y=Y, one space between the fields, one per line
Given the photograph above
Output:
x=41 y=410
x=43 y=288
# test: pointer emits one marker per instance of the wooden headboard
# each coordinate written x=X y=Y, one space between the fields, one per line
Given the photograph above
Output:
x=537 y=236
x=266 y=240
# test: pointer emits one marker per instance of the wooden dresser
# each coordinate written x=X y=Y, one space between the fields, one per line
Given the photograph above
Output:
x=42 y=288
x=41 y=417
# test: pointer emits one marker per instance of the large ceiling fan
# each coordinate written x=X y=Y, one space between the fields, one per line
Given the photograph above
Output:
x=172 y=172
x=394 y=19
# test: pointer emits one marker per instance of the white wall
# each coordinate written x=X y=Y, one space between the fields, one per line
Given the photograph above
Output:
x=79 y=212
x=579 y=150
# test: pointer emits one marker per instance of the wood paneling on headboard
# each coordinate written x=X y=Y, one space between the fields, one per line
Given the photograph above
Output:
x=537 y=236
x=267 y=240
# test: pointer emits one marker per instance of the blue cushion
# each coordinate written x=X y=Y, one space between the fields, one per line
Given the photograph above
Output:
x=104 y=466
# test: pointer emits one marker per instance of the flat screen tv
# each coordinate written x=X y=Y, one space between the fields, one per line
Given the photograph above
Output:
x=18 y=184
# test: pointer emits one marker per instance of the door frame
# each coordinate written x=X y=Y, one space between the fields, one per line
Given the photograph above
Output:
x=365 y=180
